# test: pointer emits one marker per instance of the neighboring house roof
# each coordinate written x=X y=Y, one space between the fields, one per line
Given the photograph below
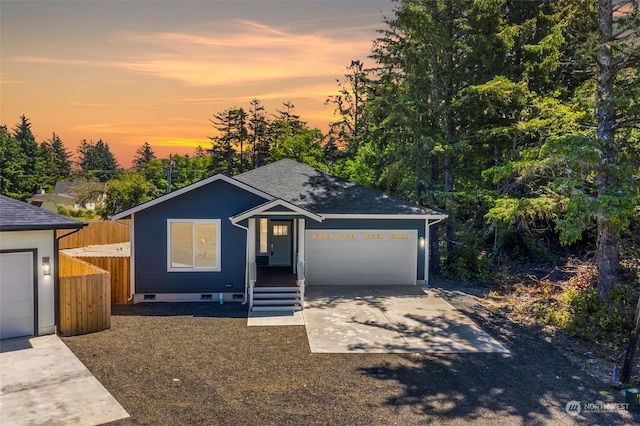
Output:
x=316 y=192
x=16 y=215
x=324 y=193
x=71 y=188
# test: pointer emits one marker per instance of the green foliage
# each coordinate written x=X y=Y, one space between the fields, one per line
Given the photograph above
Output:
x=12 y=166
x=304 y=147
x=144 y=155
x=96 y=160
x=583 y=313
x=470 y=259
x=80 y=214
x=127 y=190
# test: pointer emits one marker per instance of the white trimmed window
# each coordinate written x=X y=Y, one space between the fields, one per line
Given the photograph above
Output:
x=193 y=245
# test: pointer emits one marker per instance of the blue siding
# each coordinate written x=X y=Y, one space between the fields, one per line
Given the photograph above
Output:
x=217 y=200
x=405 y=224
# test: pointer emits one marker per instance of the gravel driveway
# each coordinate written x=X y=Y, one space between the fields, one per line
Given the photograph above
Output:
x=199 y=364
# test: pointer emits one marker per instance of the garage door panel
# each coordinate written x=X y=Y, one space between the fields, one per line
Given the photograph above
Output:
x=357 y=257
x=16 y=295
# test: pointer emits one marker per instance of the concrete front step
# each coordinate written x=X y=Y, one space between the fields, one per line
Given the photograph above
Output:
x=276 y=296
x=276 y=308
x=276 y=289
x=276 y=302
x=277 y=299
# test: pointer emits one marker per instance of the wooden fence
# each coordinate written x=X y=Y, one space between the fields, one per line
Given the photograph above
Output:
x=96 y=233
x=85 y=297
x=118 y=267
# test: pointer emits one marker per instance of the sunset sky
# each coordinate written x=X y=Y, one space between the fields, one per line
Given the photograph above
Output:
x=130 y=72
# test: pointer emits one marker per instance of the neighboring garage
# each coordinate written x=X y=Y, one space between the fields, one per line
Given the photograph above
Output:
x=18 y=291
x=28 y=268
x=361 y=257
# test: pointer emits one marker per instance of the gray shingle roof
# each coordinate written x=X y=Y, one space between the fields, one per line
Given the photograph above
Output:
x=16 y=215
x=324 y=193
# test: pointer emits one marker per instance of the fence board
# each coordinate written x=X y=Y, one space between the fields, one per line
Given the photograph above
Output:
x=119 y=268
x=84 y=297
x=96 y=233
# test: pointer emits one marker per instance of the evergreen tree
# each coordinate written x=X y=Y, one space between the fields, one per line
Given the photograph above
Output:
x=12 y=165
x=144 y=155
x=258 y=134
x=33 y=168
x=348 y=131
x=231 y=125
x=96 y=160
x=56 y=163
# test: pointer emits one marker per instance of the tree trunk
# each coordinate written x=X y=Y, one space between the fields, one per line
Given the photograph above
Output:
x=607 y=248
x=434 y=231
x=630 y=358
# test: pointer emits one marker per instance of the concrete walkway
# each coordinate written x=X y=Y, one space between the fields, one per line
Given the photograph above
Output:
x=386 y=319
x=43 y=382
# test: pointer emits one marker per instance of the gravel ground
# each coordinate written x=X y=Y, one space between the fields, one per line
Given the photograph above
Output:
x=199 y=364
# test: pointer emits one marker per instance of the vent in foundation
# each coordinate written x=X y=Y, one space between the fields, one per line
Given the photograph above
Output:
x=237 y=296
x=206 y=297
x=149 y=297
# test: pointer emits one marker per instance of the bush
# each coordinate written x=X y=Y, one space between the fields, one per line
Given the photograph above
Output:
x=78 y=214
x=584 y=314
x=469 y=261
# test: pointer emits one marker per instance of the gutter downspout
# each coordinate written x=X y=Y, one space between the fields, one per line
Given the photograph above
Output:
x=427 y=253
x=132 y=281
x=56 y=275
x=246 y=267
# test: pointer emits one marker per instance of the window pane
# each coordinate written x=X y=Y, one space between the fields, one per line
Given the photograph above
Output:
x=322 y=236
x=373 y=236
x=346 y=236
x=263 y=235
x=206 y=245
x=402 y=236
x=181 y=245
x=280 y=230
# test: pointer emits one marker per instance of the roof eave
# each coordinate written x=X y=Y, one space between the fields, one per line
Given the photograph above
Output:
x=272 y=203
x=9 y=228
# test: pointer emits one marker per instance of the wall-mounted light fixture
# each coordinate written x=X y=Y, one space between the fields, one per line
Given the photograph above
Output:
x=421 y=242
x=46 y=266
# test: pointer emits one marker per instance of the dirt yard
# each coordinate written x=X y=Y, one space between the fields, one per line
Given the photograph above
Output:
x=198 y=363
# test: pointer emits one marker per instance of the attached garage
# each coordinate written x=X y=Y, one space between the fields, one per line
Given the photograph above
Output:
x=361 y=257
x=28 y=268
x=18 y=289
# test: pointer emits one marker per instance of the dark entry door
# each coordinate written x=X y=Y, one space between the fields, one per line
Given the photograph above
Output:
x=280 y=248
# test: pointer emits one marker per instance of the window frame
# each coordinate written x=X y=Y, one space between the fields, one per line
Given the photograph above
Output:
x=217 y=268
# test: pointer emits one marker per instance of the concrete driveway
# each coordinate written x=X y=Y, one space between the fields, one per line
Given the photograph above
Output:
x=43 y=382
x=389 y=319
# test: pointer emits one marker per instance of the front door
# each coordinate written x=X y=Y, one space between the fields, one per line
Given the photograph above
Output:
x=280 y=248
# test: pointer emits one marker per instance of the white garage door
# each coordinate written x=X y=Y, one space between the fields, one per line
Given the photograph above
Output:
x=357 y=257
x=16 y=295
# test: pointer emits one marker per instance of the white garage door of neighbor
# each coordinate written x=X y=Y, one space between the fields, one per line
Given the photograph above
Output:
x=361 y=257
x=16 y=295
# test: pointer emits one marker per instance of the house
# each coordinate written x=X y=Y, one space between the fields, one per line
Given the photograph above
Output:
x=263 y=235
x=29 y=268
x=67 y=194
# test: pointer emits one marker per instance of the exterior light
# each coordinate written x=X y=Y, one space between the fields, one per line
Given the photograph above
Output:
x=421 y=242
x=46 y=266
